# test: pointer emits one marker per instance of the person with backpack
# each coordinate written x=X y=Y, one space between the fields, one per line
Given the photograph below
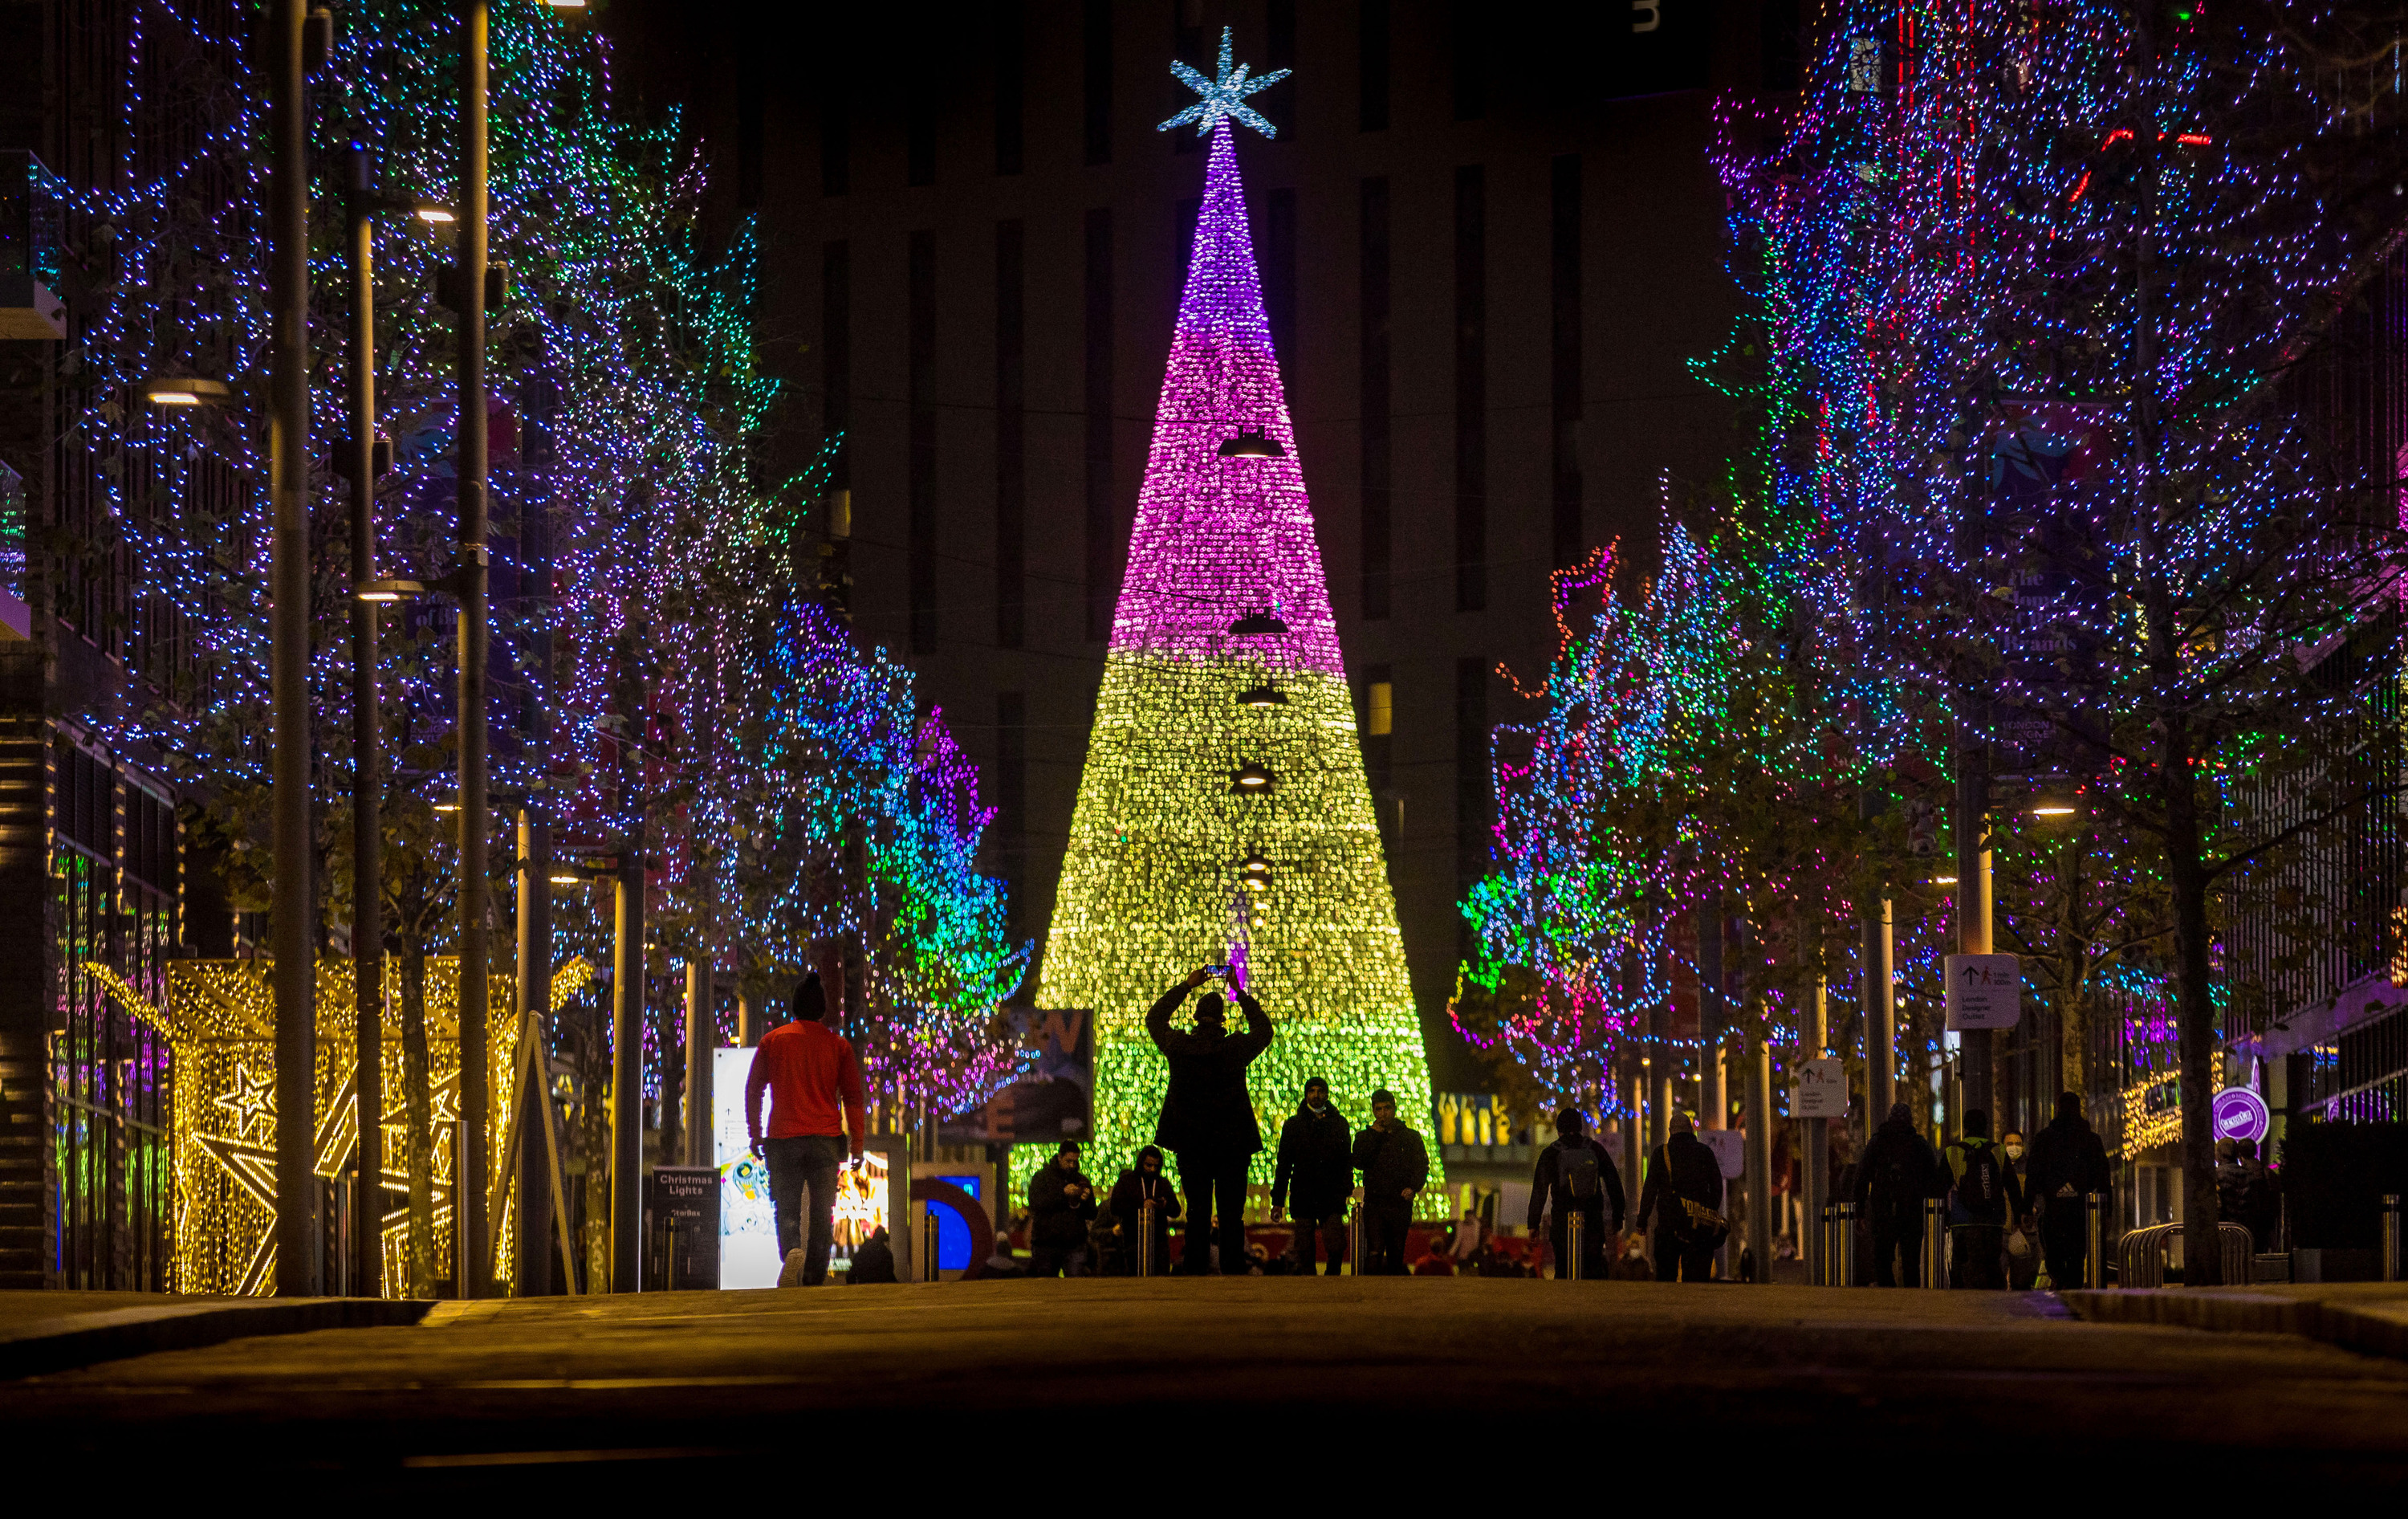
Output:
x=1314 y=1176
x=2068 y=1162
x=1576 y=1175
x=1983 y=1196
x=1897 y=1173
x=1683 y=1197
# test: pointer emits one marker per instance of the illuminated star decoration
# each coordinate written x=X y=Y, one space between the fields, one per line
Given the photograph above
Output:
x=1224 y=98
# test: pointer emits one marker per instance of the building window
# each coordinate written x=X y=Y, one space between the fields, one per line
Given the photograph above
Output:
x=1470 y=389
x=1372 y=56
x=1380 y=709
x=1566 y=439
x=921 y=320
x=1098 y=47
x=1373 y=286
x=1103 y=543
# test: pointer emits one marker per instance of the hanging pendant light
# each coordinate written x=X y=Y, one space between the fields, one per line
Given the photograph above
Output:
x=1252 y=779
x=1254 y=873
x=1257 y=625
x=1252 y=445
x=1265 y=694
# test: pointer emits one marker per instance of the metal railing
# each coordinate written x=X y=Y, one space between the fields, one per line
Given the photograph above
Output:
x=2145 y=1254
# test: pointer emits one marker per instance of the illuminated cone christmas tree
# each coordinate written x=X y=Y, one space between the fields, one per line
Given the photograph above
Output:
x=1223 y=813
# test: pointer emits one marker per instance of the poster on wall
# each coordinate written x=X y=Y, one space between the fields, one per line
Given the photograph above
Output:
x=748 y=1231
x=1054 y=1101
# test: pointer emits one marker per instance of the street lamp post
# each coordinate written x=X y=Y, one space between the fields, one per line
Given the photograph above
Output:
x=476 y=1103
x=298 y=1248
x=370 y=456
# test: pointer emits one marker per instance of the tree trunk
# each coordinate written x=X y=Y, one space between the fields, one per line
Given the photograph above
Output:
x=419 y=1099
x=2073 y=1016
x=2194 y=1012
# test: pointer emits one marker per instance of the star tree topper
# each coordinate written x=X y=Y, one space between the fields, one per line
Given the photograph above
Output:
x=1224 y=98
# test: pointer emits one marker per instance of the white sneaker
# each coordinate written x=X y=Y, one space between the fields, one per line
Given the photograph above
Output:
x=793 y=1274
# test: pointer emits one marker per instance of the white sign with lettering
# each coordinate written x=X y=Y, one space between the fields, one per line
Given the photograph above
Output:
x=1822 y=1090
x=1985 y=991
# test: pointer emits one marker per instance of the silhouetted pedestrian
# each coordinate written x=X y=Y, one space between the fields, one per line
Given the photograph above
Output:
x=1982 y=1195
x=1140 y=1185
x=1314 y=1176
x=1061 y=1200
x=1576 y=1175
x=1683 y=1197
x=1395 y=1167
x=1208 y=1119
x=1898 y=1173
x=2068 y=1162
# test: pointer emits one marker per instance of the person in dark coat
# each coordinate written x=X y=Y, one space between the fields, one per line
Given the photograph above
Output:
x=1208 y=1119
x=1683 y=1196
x=1061 y=1200
x=1898 y=1171
x=2068 y=1162
x=1140 y=1185
x=1564 y=1184
x=1395 y=1167
x=873 y=1261
x=1984 y=1197
x=1315 y=1177
x=2022 y=1269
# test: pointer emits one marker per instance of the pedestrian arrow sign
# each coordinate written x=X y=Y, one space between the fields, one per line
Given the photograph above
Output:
x=1985 y=991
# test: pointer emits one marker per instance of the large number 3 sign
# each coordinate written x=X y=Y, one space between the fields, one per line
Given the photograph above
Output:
x=1651 y=14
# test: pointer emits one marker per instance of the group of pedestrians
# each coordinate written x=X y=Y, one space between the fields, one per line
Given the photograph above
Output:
x=1682 y=1203
x=1989 y=1188
x=1207 y=1122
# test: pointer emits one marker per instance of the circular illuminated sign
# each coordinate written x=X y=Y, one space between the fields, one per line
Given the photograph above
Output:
x=2238 y=1114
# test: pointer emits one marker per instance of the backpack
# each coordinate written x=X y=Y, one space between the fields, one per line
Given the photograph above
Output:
x=1578 y=1168
x=1904 y=1177
x=1981 y=1189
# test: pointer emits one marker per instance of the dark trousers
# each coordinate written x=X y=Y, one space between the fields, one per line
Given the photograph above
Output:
x=1676 y=1261
x=1898 y=1232
x=1212 y=1181
x=1593 y=1232
x=1981 y=1256
x=2064 y=1241
x=1330 y=1230
x=1384 y=1225
x=1057 y=1260
x=806 y=1163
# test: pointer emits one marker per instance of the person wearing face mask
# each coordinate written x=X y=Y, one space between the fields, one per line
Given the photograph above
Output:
x=2023 y=1249
x=1314 y=1176
x=1145 y=1183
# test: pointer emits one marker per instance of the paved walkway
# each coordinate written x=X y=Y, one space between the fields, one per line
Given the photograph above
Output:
x=53 y=1331
x=1444 y=1372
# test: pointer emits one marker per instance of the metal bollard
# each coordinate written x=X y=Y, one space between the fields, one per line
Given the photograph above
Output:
x=1354 y=1239
x=1145 y=1216
x=1935 y=1244
x=2094 y=1257
x=2390 y=1263
x=1570 y=1271
x=928 y=1244
x=1847 y=1237
x=1818 y=1265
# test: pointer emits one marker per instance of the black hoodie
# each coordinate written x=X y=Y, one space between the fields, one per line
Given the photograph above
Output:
x=1316 y=1162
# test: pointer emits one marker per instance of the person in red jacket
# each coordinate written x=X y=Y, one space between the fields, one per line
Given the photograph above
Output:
x=814 y=1081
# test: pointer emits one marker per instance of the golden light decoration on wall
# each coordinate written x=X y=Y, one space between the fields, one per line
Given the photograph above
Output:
x=220 y=1022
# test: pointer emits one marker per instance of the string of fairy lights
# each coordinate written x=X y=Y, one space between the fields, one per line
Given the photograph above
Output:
x=627 y=394
x=1935 y=354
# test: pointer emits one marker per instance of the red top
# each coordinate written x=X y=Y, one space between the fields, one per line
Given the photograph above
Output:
x=808 y=1069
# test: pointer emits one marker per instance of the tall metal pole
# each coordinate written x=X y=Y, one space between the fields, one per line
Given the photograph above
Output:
x=1714 y=1017
x=1973 y=831
x=475 y=1097
x=535 y=1000
x=368 y=760
x=701 y=1046
x=1759 y=1155
x=628 y=1071
x=298 y=1247
x=1879 y=993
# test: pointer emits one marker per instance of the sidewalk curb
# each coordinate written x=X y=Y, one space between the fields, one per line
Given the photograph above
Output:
x=80 y=1339
x=2247 y=1312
